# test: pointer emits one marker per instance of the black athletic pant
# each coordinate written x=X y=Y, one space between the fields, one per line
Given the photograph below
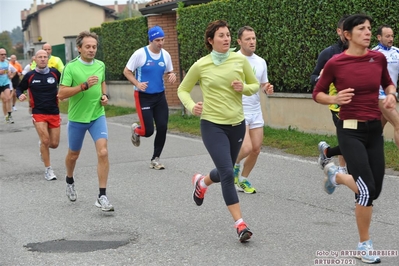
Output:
x=153 y=108
x=223 y=143
x=334 y=151
x=363 y=150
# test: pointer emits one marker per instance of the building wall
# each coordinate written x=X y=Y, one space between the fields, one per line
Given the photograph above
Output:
x=68 y=18
x=168 y=24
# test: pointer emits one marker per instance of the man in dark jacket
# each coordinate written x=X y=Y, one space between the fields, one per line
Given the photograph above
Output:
x=325 y=151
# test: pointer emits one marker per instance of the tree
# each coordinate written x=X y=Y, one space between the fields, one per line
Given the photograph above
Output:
x=5 y=41
x=125 y=14
x=17 y=36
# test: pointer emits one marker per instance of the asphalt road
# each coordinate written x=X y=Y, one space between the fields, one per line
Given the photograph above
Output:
x=156 y=221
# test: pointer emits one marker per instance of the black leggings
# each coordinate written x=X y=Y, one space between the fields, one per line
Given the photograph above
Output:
x=153 y=108
x=363 y=150
x=334 y=151
x=223 y=143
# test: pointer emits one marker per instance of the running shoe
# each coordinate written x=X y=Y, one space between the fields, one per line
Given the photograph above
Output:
x=71 y=192
x=199 y=192
x=103 y=203
x=14 y=108
x=243 y=232
x=365 y=253
x=246 y=187
x=49 y=174
x=236 y=170
x=10 y=120
x=135 y=138
x=331 y=170
x=155 y=164
x=323 y=159
x=6 y=120
x=342 y=170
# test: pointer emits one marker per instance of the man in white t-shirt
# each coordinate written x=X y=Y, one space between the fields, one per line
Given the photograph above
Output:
x=386 y=37
x=253 y=139
x=149 y=65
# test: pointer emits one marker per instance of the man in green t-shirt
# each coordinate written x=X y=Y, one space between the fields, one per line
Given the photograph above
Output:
x=83 y=82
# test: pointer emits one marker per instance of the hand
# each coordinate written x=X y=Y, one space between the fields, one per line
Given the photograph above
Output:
x=104 y=100
x=172 y=77
x=237 y=85
x=345 y=96
x=22 y=97
x=268 y=88
x=197 y=109
x=91 y=81
x=389 y=102
x=142 y=86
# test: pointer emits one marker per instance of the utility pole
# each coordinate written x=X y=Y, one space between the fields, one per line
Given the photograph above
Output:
x=130 y=8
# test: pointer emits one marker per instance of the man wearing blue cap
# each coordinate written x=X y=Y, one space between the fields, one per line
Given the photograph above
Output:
x=149 y=65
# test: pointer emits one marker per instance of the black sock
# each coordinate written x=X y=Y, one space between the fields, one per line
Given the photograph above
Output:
x=333 y=151
x=102 y=192
x=69 y=180
x=9 y=113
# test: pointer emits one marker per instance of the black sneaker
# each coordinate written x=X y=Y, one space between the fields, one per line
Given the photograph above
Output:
x=244 y=233
x=199 y=192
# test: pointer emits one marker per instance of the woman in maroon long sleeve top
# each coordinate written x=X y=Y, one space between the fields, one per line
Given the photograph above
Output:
x=357 y=73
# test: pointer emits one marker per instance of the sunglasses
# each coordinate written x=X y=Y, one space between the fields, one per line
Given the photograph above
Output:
x=3 y=54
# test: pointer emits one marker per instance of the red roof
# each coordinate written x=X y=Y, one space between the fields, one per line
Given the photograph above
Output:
x=159 y=2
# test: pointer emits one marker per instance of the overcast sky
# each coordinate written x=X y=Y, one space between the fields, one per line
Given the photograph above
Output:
x=10 y=11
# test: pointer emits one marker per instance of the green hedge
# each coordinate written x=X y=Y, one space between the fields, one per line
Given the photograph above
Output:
x=118 y=41
x=290 y=33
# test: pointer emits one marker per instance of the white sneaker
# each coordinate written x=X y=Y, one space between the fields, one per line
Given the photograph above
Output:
x=342 y=170
x=49 y=174
x=14 y=108
x=103 y=203
x=135 y=138
x=155 y=164
x=71 y=192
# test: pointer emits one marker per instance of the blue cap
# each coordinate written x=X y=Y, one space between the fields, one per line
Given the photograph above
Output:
x=155 y=32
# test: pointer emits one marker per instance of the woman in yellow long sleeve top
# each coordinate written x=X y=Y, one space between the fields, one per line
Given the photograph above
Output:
x=224 y=77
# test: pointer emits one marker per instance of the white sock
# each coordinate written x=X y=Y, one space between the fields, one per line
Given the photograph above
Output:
x=237 y=165
x=334 y=179
x=241 y=178
x=239 y=221
x=202 y=183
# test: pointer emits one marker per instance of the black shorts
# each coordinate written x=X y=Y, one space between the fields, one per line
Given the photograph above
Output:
x=335 y=117
x=3 y=88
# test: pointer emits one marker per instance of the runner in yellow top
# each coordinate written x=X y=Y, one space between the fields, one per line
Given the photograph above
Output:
x=53 y=61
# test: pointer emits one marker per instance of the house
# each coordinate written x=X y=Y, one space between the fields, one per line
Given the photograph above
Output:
x=51 y=22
